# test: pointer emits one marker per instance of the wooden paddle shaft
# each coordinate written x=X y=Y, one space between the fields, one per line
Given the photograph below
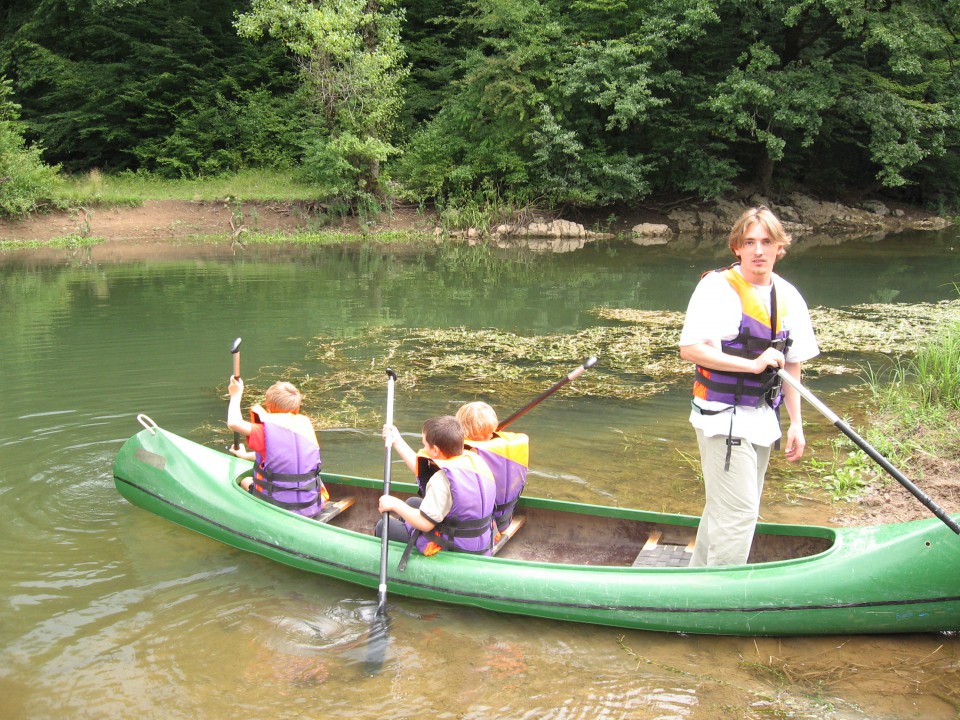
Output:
x=589 y=363
x=235 y=351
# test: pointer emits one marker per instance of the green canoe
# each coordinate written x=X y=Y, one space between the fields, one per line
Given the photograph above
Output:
x=584 y=563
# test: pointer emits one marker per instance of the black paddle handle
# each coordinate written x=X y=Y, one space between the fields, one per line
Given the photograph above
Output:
x=384 y=534
x=869 y=450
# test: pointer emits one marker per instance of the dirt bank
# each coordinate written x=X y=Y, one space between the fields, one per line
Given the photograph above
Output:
x=159 y=220
x=172 y=220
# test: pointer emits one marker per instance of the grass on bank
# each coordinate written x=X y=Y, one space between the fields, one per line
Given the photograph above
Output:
x=323 y=237
x=133 y=189
x=82 y=194
x=70 y=242
x=914 y=409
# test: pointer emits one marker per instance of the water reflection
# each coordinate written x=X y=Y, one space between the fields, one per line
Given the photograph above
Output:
x=111 y=612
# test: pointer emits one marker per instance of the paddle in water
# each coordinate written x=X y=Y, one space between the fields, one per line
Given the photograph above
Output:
x=869 y=450
x=235 y=351
x=588 y=363
x=377 y=648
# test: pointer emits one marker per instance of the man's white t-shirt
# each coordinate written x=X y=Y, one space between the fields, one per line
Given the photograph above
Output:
x=714 y=314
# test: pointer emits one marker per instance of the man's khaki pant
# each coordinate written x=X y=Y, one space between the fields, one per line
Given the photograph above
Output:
x=733 y=500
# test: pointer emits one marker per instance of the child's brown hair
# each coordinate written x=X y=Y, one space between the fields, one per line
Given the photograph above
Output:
x=444 y=432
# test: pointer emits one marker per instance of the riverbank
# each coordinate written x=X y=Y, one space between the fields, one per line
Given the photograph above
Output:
x=654 y=221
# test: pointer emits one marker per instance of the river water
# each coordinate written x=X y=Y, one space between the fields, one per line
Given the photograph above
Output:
x=110 y=612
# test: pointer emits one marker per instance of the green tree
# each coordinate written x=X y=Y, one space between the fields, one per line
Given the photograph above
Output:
x=25 y=181
x=516 y=122
x=433 y=48
x=827 y=74
x=164 y=86
x=350 y=58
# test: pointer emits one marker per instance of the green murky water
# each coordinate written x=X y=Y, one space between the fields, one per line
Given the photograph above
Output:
x=110 y=612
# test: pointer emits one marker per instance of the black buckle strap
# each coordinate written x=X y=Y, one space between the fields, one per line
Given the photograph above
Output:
x=270 y=480
x=503 y=514
x=285 y=505
x=465 y=528
x=448 y=532
x=402 y=565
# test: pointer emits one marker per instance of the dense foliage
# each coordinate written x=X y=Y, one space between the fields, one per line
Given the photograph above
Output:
x=350 y=59
x=25 y=180
x=161 y=86
x=587 y=102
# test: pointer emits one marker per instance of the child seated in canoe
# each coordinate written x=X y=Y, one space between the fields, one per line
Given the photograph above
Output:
x=283 y=445
x=507 y=455
x=456 y=493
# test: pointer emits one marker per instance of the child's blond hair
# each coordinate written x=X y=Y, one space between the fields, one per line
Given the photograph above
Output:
x=478 y=419
x=282 y=397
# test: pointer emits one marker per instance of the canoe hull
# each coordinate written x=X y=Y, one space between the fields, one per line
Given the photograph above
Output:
x=880 y=579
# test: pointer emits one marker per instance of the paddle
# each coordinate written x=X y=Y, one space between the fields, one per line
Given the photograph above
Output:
x=589 y=363
x=378 y=630
x=869 y=450
x=235 y=351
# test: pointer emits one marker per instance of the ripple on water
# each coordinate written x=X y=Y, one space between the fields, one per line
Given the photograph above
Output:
x=72 y=491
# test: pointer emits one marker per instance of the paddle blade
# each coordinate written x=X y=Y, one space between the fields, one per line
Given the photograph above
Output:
x=377 y=644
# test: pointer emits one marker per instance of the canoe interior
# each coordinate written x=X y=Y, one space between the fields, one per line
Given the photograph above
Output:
x=610 y=537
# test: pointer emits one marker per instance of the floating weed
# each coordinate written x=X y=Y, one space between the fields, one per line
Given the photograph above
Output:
x=486 y=362
x=935 y=673
x=638 y=358
x=892 y=329
x=883 y=328
x=694 y=464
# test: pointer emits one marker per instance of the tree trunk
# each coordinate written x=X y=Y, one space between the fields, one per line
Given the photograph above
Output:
x=370 y=39
x=765 y=172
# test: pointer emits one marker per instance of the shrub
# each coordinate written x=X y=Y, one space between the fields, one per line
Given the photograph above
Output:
x=25 y=181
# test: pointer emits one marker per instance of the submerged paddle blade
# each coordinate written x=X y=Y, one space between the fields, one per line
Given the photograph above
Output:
x=377 y=643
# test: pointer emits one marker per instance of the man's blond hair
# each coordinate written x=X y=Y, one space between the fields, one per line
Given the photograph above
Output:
x=764 y=216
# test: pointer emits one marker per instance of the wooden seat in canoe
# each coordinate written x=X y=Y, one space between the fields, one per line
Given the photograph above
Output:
x=332 y=509
x=659 y=553
x=512 y=529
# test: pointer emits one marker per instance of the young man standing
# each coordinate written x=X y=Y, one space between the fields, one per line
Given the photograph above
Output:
x=743 y=324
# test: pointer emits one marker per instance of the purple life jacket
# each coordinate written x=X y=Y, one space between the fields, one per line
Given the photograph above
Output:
x=507 y=455
x=468 y=527
x=289 y=477
x=759 y=330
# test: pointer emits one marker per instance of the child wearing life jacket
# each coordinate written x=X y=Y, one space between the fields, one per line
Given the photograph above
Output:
x=283 y=445
x=454 y=510
x=507 y=454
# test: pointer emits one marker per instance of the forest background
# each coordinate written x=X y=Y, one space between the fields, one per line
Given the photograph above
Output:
x=488 y=104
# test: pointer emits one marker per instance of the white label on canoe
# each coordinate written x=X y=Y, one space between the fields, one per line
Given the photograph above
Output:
x=149 y=458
